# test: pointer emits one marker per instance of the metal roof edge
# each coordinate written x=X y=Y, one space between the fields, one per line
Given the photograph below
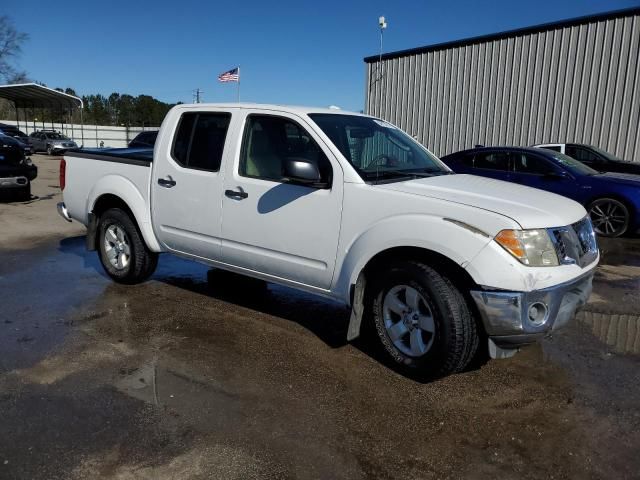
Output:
x=54 y=92
x=625 y=12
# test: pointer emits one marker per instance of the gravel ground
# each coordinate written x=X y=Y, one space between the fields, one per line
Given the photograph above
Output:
x=200 y=374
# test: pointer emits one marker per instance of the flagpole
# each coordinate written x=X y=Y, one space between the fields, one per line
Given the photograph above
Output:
x=238 y=83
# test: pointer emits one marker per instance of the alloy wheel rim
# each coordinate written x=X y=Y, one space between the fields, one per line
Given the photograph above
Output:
x=116 y=247
x=608 y=217
x=408 y=320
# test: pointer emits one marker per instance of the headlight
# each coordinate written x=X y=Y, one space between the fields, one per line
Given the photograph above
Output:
x=531 y=247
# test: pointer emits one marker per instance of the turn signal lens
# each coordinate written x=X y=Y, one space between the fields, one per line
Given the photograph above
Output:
x=509 y=240
x=530 y=247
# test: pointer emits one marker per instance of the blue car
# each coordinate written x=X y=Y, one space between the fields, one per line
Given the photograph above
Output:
x=612 y=199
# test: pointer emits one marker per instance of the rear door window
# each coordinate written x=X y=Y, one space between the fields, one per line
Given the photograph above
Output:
x=532 y=164
x=199 y=141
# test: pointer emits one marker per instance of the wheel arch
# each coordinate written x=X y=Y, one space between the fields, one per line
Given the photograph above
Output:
x=104 y=202
x=626 y=201
x=440 y=262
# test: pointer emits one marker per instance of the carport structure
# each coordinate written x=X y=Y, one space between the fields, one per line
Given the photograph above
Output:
x=32 y=95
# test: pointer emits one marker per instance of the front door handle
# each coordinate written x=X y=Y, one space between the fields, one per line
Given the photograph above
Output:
x=238 y=195
x=167 y=182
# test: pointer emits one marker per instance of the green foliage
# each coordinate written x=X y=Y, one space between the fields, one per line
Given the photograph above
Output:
x=117 y=109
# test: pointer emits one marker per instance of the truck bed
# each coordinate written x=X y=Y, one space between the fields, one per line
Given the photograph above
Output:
x=91 y=173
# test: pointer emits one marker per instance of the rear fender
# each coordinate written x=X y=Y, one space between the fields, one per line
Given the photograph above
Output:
x=127 y=191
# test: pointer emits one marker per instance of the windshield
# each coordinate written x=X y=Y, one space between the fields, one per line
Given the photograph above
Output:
x=56 y=136
x=605 y=154
x=573 y=165
x=377 y=149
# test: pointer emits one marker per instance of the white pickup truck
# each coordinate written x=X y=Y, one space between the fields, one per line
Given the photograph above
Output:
x=349 y=207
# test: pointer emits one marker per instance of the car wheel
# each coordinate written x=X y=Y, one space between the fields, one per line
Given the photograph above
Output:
x=123 y=253
x=610 y=217
x=422 y=320
x=49 y=150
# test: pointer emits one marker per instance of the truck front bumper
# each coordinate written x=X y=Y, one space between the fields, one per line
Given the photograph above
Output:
x=512 y=319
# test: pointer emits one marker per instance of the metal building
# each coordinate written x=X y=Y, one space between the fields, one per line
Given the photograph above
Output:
x=574 y=80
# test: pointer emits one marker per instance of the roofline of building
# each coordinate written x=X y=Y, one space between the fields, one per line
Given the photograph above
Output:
x=509 y=33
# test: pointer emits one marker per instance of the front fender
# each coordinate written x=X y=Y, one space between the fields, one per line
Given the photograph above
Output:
x=437 y=234
x=127 y=191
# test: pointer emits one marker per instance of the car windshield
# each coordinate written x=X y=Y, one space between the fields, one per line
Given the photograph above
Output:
x=377 y=149
x=605 y=154
x=573 y=165
x=56 y=136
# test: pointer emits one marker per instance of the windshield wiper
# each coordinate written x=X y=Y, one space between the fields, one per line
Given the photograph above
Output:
x=409 y=174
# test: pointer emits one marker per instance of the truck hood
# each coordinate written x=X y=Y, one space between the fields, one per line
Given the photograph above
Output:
x=529 y=207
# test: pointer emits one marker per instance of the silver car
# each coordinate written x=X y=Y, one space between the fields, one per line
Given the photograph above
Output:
x=51 y=142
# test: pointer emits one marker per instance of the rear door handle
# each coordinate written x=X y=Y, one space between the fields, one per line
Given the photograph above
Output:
x=238 y=195
x=167 y=182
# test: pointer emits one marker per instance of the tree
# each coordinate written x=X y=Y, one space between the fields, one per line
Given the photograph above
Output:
x=11 y=42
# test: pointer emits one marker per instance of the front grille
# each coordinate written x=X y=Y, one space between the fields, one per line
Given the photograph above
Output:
x=576 y=243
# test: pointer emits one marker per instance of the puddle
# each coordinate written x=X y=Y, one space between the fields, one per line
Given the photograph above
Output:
x=40 y=288
x=620 y=332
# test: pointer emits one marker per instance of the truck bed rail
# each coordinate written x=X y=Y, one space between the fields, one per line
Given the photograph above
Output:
x=132 y=156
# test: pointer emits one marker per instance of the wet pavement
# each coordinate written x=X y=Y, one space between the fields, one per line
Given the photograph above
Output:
x=202 y=374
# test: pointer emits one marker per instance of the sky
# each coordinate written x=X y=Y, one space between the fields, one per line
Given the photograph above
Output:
x=289 y=52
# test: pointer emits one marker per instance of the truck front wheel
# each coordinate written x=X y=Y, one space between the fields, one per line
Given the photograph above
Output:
x=123 y=253
x=422 y=320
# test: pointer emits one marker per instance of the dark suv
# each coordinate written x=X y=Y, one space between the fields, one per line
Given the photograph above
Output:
x=16 y=170
x=12 y=131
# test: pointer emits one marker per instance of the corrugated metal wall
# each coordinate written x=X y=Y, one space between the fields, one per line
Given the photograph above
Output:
x=577 y=83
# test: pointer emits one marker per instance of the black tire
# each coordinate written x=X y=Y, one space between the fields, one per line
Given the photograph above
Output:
x=610 y=217
x=49 y=150
x=455 y=339
x=141 y=261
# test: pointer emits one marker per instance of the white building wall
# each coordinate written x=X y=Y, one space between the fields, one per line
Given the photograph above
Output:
x=94 y=135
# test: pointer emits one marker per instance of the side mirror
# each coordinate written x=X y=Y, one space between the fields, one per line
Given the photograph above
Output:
x=302 y=171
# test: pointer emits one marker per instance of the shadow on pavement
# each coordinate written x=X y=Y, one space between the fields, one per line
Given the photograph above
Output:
x=326 y=319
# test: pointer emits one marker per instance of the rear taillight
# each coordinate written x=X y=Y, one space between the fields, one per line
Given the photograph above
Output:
x=63 y=173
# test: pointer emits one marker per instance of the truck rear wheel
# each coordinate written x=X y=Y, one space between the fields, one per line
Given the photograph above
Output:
x=123 y=253
x=422 y=320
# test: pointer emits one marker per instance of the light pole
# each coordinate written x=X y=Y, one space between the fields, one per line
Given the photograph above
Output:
x=382 y=23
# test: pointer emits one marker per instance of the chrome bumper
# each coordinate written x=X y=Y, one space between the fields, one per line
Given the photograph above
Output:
x=62 y=211
x=13 y=182
x=517 y=318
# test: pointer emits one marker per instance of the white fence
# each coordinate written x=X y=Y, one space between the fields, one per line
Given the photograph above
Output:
x=94 y=135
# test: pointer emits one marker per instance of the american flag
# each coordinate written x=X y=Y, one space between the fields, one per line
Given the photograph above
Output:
x=232 y=75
